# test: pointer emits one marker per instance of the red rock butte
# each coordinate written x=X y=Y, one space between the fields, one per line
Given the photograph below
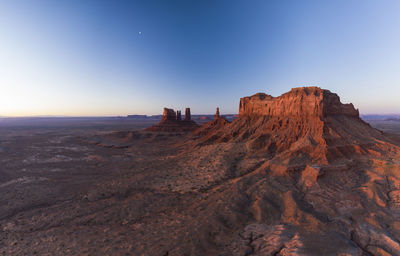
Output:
x=302 y=101
x=305 y=122
x=172 y=122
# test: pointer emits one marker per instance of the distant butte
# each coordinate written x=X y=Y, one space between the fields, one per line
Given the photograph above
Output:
x=172 y=122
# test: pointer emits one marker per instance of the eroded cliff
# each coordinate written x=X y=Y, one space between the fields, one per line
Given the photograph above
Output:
x=299 y=102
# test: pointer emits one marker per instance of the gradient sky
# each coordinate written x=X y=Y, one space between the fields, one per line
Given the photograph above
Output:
x=81 y=57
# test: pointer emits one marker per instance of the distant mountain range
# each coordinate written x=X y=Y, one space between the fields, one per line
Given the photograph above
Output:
x=381 y=117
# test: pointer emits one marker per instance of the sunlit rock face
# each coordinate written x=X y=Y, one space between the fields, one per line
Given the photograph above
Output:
x=306 y=122
x=303 y=101
x=169 y=114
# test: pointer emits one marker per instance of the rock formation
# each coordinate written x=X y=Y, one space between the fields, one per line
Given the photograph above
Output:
x=302 y=174
x=217 y=124
x=169 y=115
x=172 y=122
x=217 y=114
x=188 y=117
x=307 y=121
x=299 y=102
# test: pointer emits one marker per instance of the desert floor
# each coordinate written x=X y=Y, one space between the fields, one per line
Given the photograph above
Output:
x=91 y=187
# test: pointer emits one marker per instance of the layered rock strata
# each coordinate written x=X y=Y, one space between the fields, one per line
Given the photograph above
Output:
x=306 y=122
x=299 y=102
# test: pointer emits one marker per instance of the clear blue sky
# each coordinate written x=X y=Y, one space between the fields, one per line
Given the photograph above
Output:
x=81 y=57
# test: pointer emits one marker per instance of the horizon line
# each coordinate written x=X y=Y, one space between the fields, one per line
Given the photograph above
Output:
x=108 y=116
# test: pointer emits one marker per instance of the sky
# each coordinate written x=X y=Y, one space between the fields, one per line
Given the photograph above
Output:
x=106 y=58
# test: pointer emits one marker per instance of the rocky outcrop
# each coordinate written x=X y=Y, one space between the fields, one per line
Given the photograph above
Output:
x=299 y=102
x=169 y=114
x=218 y=124
x=188 y=116
x=305 y=122
x=172 y=122
x=217 y=114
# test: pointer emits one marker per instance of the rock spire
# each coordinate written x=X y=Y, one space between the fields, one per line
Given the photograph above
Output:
x=188 y=116
x=178 y=115
x=217 y=114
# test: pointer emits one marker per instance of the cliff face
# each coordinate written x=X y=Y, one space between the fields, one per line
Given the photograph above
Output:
x=299 y=102
x=307 y=122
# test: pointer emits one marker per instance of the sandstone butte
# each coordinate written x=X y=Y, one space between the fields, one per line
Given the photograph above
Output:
x=172 y=122
x=299 y=102
x=307 y=122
